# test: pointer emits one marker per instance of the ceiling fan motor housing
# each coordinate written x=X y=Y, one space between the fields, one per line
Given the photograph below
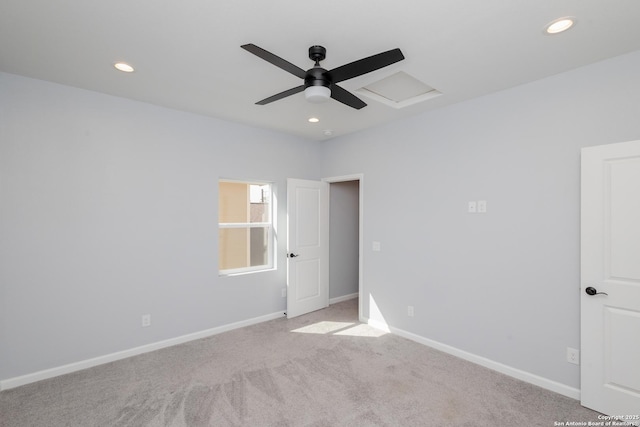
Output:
x=315 y=77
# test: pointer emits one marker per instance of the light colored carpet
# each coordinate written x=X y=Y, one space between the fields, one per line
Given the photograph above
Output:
x=321 y=369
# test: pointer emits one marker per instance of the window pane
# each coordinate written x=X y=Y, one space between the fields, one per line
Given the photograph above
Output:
x=259 y=246
x=233 y=248
x=259 y=199
x=233 y=202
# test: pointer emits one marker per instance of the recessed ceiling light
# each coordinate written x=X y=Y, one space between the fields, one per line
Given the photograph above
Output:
x=328 y=132
x=122 y=66
x=313 y=120
x=559 y=25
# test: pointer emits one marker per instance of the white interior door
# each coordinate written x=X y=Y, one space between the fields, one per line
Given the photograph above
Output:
x=610 y=279
x=307 y=246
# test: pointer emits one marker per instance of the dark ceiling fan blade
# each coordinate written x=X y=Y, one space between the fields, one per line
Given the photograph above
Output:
x=365 y=65
x=275 y=60
x=346 y=97
x=281 y=95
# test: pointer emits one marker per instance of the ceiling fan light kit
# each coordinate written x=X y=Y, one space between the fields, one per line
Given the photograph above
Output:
x=317 y=94
x=320 y=84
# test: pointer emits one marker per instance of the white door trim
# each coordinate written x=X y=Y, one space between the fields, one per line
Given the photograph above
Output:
x=360 y=178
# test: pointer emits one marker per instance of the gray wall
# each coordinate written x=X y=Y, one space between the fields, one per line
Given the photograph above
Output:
x=108 y=211
x=503 y=285
x=344 y=233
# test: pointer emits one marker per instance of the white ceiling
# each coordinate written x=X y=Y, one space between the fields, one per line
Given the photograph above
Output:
x=187 y=53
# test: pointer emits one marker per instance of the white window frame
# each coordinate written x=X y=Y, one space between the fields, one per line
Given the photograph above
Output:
x=268 y=225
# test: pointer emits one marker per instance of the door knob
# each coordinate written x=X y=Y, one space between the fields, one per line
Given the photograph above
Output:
x=593 y=291
x=292 y=255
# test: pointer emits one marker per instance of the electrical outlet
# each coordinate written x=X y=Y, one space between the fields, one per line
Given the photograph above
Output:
x=146 y=320
x=482 y=206
x=573 y=356
x=410 y=311
x=284 y=292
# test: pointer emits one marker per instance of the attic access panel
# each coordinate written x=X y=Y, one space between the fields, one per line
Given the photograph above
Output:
x=399 y=90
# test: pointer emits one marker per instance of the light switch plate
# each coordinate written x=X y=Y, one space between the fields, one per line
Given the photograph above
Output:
x=146 y=320
x=473 y=207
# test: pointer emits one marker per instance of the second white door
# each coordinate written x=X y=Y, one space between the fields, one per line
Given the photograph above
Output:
x=610 y=291
x=307 y=246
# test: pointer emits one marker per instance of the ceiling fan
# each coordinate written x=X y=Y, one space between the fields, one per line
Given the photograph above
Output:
x=320 y=84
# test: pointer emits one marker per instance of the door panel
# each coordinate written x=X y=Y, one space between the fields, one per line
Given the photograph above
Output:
x=621 y=351
x=624 y=236
x=307 y=225
x=307 y=279
x=307 y=246
x=610 y=263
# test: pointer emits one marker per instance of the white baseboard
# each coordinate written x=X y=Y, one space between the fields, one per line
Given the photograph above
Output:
x=343 y=298
x=100 y=360
x=519 y=374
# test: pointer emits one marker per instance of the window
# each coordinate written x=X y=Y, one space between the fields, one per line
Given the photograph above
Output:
x=245 y=226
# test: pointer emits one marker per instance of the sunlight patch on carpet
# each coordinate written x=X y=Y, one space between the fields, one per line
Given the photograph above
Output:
x=362 y=331
x=324 y=327
x=348 y=329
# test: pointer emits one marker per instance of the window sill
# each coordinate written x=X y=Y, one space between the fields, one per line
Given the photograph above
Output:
x=245 y=272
